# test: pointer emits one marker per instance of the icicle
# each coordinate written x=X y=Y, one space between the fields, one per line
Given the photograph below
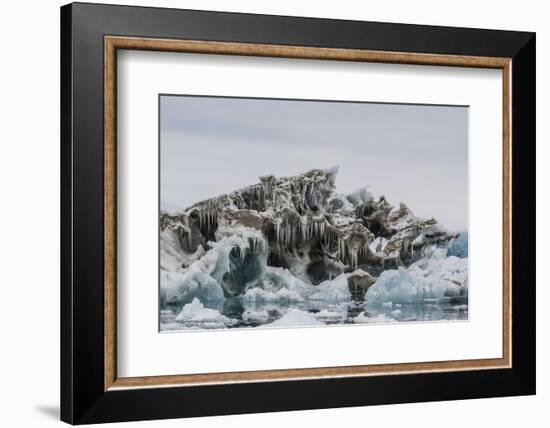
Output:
x=353 y=255
x=288 y=234
x=341 y=250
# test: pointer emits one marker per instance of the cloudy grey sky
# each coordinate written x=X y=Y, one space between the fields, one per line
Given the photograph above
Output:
x=416 y=154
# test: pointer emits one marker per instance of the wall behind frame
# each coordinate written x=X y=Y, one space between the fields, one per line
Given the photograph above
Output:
x=29 y=220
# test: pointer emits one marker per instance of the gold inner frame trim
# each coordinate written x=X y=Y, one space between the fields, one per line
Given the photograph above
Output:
x=113 y=43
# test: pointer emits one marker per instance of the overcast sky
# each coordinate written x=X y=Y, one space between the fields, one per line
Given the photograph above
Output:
x=411 y=153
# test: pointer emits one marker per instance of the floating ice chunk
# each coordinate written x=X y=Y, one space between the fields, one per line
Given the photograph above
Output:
x=195 y=312
x=362 y=318
x=255 y=316
x=335 y=290
x=428 y=280
x=295 y=317
x=387 y=304
x=400 y=286
x=396 y=312
x=460 y=307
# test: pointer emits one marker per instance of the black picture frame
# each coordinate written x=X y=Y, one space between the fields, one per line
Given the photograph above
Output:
x=83 y=397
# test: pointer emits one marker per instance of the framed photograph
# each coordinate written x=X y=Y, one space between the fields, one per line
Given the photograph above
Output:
x=266 y=213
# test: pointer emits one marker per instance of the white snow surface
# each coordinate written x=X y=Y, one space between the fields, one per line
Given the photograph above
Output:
x=196 y=313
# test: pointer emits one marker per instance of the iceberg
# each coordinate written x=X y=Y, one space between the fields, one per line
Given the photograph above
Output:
x=296 y=246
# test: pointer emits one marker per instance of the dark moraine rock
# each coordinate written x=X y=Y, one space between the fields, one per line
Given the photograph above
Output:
x=359 y=282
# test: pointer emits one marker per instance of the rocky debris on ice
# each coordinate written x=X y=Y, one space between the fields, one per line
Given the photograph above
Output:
x=359 y=282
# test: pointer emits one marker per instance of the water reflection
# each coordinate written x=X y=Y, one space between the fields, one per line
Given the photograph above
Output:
x=243 y=313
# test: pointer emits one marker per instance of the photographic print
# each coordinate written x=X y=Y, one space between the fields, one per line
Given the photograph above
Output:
x=294 y=213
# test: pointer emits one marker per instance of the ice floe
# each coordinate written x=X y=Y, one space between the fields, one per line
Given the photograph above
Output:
x=431 y=278
x=363 y=318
